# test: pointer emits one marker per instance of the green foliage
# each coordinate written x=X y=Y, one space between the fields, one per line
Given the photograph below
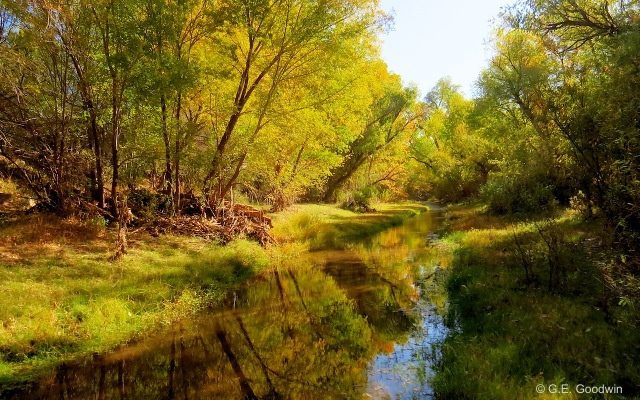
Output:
x=146 y=204
x=451 y=156
x=507 y=193
x=374 y=159
x=190 y=97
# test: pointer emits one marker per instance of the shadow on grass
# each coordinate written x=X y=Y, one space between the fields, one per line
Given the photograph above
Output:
x=509 y=336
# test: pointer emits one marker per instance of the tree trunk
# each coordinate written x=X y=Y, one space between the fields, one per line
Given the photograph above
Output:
x=167 y=181
x=97 y=151
x=115 y=176
x=178 y=154
x=215 y=163
x=95 y=141
x=95 y=138
x=341 y=175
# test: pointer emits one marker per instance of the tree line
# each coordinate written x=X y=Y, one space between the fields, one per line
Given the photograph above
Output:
x=277 y=99
x=555 y=119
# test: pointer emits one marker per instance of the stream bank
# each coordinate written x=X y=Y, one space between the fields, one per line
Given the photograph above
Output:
x=85 y=304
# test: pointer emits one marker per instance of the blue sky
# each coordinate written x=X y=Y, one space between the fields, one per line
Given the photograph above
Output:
x=432 y=39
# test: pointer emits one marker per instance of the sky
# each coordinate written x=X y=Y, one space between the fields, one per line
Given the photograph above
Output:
x=432 y=39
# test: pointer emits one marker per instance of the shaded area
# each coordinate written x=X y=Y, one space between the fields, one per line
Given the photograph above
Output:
x=525 y=309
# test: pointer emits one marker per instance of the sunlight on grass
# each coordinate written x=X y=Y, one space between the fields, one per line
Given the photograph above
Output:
x=328 y=227
x=61 y=299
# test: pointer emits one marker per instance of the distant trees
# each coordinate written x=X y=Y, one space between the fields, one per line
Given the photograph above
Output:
x=556 y=119
x=451 y=156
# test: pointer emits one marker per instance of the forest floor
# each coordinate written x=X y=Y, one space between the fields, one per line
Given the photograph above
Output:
x=511 y=333
x=61 y=297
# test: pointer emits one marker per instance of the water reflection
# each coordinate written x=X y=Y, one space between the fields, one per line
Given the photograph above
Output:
x=331 y=325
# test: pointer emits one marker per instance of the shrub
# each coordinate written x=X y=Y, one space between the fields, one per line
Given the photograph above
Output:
x=508 y=193
x=146 y=204
x=360 y=201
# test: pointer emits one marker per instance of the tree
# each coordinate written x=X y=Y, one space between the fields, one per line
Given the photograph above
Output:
x=389 y=115
x=270 y=44
x=40 y=143
x=450 y=149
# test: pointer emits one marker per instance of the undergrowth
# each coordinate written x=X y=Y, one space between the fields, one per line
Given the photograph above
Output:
x=528 y=306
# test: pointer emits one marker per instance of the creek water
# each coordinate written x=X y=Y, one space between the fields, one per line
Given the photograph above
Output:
x=355 y=323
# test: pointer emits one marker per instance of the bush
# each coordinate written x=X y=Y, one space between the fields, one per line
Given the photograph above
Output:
x=146 y=204
x=360 y=201
x=508 y=194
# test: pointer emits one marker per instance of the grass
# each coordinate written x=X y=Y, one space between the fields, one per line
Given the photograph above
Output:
x=509 y=333
x=61 y=297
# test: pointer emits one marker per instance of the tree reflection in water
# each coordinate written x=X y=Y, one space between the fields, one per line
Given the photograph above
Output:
x=327 y=325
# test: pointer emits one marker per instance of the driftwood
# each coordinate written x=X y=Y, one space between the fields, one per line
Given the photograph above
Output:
x=239 y=219
x=151 y=211
x=224 y=224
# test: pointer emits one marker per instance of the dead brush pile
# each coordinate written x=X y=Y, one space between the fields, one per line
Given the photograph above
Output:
x=149 y=211
x=223 y=224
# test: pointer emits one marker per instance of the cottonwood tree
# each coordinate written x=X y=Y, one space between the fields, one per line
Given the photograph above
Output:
x=268 y=44
x=389 y=115
x=174 y=30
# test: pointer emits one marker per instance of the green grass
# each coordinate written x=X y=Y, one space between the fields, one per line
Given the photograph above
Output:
x=509 y=335
x=61 y=297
